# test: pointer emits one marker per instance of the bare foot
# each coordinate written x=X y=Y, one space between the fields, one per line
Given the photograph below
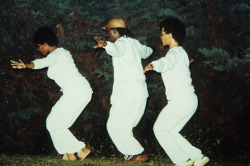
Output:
x=84 y=152
x=67 y=156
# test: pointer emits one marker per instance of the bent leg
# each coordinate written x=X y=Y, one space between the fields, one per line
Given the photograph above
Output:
x=62 y=116
x=189 y=149
x=168 y=124
x=125 y=114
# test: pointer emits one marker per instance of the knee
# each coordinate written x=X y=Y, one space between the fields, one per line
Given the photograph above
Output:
x=160 y=130
x=114 y=128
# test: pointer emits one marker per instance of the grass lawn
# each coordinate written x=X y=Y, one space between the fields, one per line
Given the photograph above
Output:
x=52 y=160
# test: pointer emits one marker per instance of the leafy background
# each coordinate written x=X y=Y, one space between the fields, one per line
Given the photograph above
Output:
x=217 y=39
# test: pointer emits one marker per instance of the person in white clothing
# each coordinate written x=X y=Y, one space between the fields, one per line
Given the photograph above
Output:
x=76 y=90
x=182 y=100
x=130 y=93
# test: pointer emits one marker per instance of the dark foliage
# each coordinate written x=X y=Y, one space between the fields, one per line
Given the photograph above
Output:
x=217 y=39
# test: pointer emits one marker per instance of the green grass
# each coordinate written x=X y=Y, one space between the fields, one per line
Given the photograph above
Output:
x=52 y=160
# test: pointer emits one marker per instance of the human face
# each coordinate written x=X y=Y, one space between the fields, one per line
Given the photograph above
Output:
x=165 y=38
x=43 y=48
x=111 y=34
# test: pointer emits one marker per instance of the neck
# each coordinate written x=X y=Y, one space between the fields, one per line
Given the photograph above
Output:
x=52 y=48
x=116 y=39
x=173 y=44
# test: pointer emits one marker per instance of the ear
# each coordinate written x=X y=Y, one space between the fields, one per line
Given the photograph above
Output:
x=170 y=36
x=116 y=32
x=45 y=44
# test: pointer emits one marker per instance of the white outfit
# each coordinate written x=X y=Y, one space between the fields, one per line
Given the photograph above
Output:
x=76 y=95
x=182 y=104
x=129 y=94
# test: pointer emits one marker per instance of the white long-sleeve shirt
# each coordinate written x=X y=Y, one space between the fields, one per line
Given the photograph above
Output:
x=61 y=69
x=174 y=69
x=126 y=58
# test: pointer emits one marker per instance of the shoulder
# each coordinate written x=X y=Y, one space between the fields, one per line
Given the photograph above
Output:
x=132 y=40
x=121 y=41
x=176 y=51
x=62 y=50
x=59 y=53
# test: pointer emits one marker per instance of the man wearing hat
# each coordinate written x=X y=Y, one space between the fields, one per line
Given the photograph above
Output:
x=130 y=93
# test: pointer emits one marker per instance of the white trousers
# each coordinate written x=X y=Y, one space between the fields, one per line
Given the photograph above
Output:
x=170 y=122
x=125 y=114
x=63 y=115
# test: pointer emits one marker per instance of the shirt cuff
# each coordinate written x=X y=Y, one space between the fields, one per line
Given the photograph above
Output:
x=36 y=64
x=155 y=65
x=107 y=46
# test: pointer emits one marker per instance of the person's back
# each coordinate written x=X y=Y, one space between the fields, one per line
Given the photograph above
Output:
x=63 y=70
x=176 y=75
x=127 y=65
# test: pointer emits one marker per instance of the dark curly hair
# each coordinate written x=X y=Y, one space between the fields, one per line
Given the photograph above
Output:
x=176 y=27
x=45 y=35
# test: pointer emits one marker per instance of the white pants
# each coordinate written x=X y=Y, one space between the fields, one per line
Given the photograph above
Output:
x=63 y=115
x=125 y=114
x=168 y=125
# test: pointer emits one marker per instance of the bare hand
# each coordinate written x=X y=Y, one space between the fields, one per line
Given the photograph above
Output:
x=18 y=65
x=148 y=67
x=100 y=42
x=191 y=60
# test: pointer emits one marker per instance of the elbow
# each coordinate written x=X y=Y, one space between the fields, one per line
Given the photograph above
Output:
x=150 y=51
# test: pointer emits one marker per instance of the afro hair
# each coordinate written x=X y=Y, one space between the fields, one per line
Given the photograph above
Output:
x=176 y=27
x=45 y=35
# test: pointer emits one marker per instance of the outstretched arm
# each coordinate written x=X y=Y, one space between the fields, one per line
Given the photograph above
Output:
x=21 y=65
x=100 y=42
x=151 y=66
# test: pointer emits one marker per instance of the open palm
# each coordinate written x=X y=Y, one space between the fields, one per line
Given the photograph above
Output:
x=18 y=65
x=100 y=42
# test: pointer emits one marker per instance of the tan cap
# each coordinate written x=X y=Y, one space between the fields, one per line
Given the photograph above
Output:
x=115 y=23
